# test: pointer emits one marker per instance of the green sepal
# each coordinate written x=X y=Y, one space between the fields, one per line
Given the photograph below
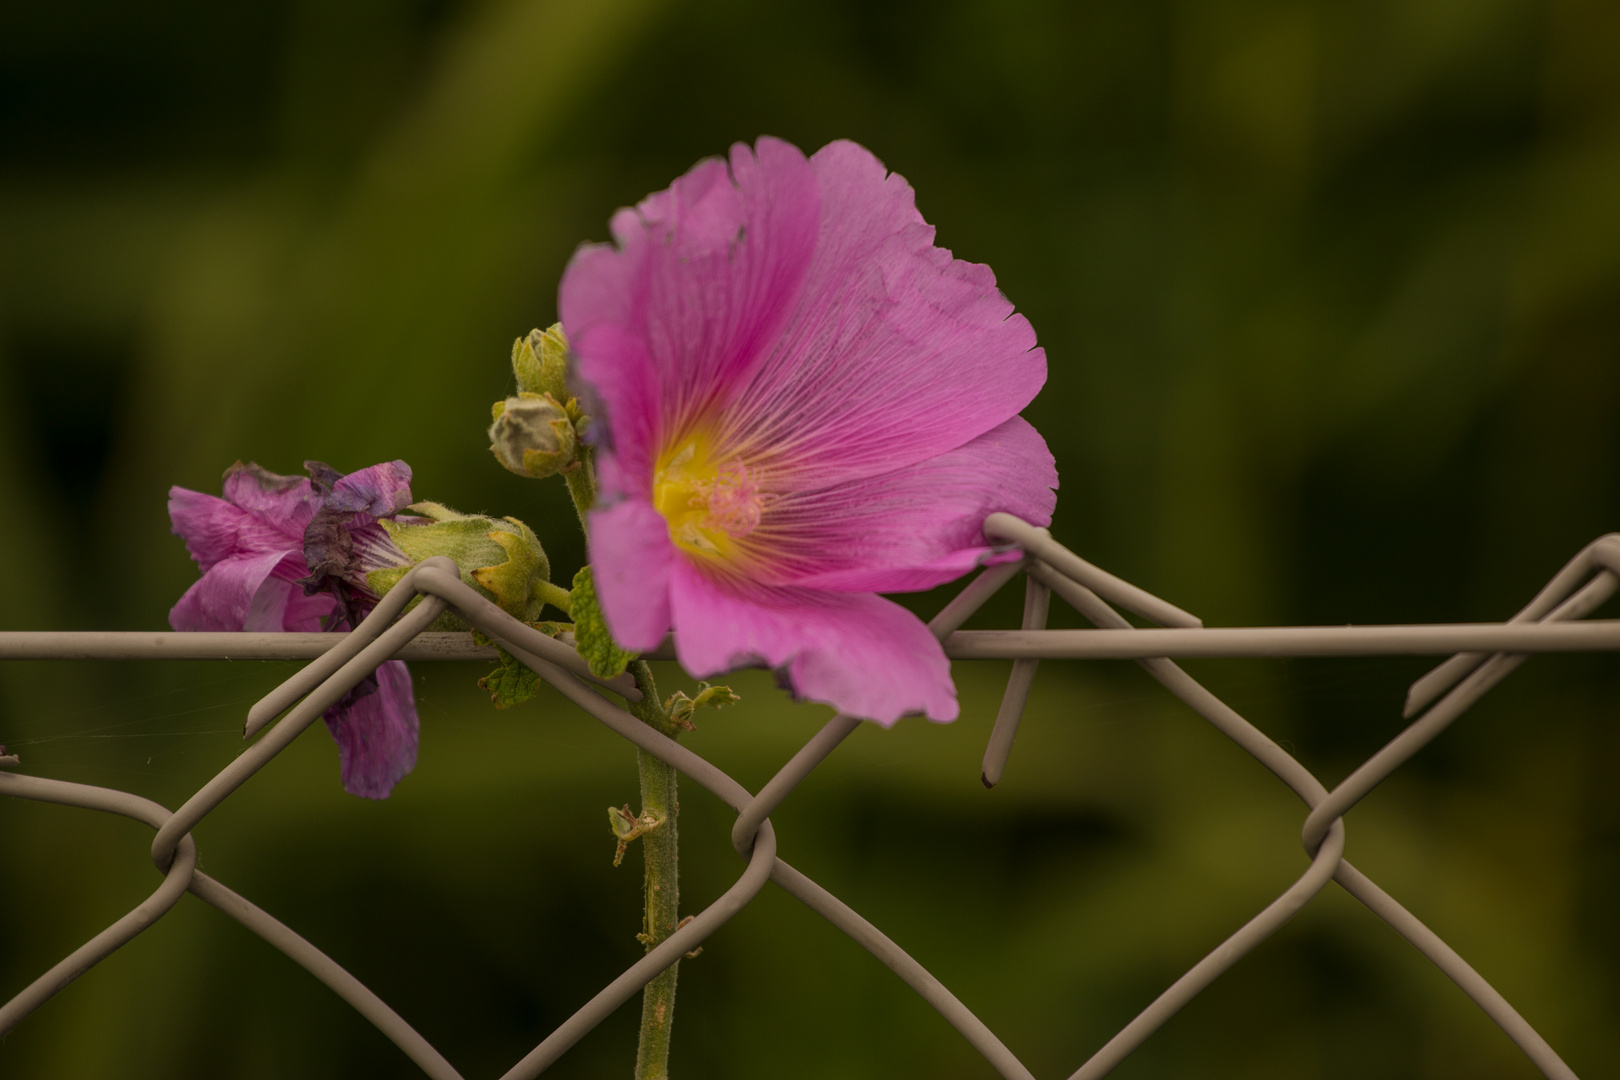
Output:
x=512 y=683
x=382 y=580
x=526 y=363
x=501 y=558
x=553 y=352
x=539 y=464
x=540 y=362
x=435 y=511
x=591 y=635
x=516 y=582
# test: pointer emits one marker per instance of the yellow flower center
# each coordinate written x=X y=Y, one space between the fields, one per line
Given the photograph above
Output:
x=710 y=502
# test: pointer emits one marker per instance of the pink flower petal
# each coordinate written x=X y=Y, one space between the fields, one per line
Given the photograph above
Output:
x=215 y=529
x=913 y=528
x=304 y=614
x=381 y=490
x=377 y=735
x=228 y=595
x=626 y=426
x=895 y=351
x=851 y=353
x=206 y=523
x=282 y=503
x=631 y=556
x=669 y=324
x=859 y=653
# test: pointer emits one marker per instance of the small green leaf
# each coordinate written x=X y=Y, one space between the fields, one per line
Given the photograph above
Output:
x=623 y=823
x=510 y=684
x=627 y=827
x=680 y=707
x=715 y=697
x=591 y=635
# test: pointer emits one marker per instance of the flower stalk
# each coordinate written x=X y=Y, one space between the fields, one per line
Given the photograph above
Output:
x=661 y=884
x=582 y=483
x=660 y=854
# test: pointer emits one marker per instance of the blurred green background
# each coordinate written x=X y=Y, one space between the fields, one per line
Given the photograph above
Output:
x=1331 y=297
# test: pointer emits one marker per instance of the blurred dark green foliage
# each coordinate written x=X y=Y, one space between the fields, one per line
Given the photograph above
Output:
x=1331 y=295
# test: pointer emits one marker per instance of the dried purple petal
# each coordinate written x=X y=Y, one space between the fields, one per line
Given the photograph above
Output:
x=270 y=535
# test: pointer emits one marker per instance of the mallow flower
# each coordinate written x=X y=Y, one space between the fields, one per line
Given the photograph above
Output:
x=798 y=401
x=289 y=553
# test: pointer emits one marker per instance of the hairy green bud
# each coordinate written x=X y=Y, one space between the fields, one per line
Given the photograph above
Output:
x=540 y=362
x=500 y=557
x=532 y=435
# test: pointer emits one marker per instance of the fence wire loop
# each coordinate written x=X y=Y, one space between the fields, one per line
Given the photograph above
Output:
x=435 y=586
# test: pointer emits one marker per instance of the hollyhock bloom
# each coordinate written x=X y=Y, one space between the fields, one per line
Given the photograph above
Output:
x=798 y=401
x=286 y=553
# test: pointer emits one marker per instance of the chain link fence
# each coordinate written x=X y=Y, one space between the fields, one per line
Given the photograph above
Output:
x=1482 y=655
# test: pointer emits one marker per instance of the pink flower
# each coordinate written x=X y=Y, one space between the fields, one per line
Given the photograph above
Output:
x=256 y=547
x=799 y=401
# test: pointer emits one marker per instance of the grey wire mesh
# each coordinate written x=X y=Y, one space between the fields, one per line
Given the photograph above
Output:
x=1485 y=654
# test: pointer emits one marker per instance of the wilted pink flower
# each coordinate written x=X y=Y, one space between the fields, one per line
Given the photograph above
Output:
x=288 y=553
x=799 y=401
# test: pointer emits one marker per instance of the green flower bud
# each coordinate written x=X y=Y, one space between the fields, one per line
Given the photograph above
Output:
x=533 y=436
x=501 y=558
x=540 y=362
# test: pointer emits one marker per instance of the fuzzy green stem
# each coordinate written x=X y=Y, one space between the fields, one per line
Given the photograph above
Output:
x=660 y=798
x=659 y=852
x=556 y=596
x=582 y=483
